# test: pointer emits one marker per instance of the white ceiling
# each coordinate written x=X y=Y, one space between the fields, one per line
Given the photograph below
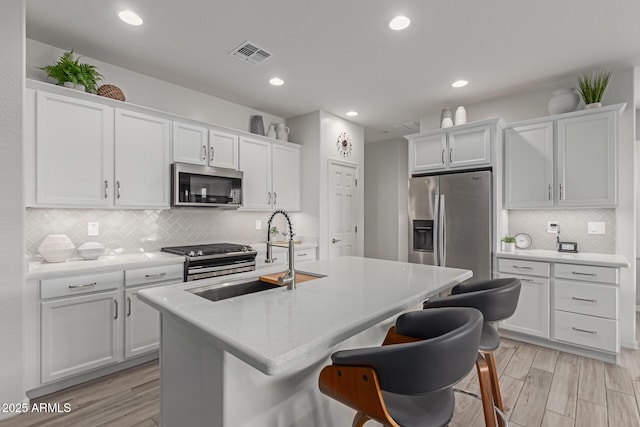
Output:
x=338 y=55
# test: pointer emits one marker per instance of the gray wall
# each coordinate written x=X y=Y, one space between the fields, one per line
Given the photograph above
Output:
x=12 y=30
x=385 y=199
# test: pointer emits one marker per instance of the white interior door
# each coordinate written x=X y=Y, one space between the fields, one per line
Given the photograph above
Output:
x=342 y=209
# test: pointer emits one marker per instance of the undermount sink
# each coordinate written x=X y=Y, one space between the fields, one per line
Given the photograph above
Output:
x=233 y=289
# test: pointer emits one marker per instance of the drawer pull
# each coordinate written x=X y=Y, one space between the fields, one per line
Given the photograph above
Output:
x=584 y=330
x=301 y=254
x=86 y=285
x=524 y=268
x=153 y=276
x=527 y=280
x=595 y=301
x=577 y=273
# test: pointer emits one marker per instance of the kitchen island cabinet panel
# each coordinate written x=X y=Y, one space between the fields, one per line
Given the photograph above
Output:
x=74 y=151
x=142 y=160
x=79 y=334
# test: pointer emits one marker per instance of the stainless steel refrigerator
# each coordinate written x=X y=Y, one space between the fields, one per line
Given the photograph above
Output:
x=450 y=221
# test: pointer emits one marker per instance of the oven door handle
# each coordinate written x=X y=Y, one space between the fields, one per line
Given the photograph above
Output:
x=205 y=269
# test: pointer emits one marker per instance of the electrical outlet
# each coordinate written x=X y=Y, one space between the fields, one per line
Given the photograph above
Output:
x=552 y=227
x=595 y=228
x=258 y=224
x=93 y=229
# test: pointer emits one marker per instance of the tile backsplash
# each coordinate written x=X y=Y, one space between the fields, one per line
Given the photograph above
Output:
x=573 y=228
x=129 y=231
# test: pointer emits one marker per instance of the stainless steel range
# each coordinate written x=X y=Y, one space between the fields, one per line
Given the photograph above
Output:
x=217 y=259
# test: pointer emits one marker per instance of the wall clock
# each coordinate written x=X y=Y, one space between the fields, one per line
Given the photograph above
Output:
x=344 y=144
x=523 y=241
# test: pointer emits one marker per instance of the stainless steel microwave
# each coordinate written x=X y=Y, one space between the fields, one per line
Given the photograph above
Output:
x=203 y=186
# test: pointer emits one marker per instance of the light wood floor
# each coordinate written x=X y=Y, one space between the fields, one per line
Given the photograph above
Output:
x=540 y=387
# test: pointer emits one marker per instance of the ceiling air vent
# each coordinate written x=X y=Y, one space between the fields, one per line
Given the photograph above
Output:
x=251 y=53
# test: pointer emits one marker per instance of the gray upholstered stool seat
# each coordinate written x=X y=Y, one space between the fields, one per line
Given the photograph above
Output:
x=410 y=383
x=497 y=299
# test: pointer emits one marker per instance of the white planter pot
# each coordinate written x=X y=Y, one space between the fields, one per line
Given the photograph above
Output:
x=74 y=86
x=508 y=247
x=593 y=105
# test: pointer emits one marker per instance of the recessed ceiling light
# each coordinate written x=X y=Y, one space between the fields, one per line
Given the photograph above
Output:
x=130 y=17
x=276 y=81
x=352 y=113
x=399 y=23
x=459 y=83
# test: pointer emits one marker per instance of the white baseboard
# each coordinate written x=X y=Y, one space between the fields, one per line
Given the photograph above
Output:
x=633 y=345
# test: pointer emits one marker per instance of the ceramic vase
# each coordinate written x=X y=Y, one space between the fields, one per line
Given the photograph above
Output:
x=461 y=116
x=282 y=132
x=56 y=248
x=446 y=118
x=91 y=250
x=271 y=133
x=74 y=86
x=257 y=125
x=563 y=101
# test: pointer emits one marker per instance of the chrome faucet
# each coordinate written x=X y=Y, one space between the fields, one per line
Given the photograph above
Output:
x=289 y=278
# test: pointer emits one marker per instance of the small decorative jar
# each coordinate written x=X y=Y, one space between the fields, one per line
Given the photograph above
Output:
x=563 y=101
x=56 y=248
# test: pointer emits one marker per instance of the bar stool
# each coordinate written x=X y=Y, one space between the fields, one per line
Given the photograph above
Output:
x=497 y=299
x=409 y=383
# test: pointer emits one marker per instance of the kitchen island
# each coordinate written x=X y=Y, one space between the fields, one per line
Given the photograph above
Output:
x=254 y=360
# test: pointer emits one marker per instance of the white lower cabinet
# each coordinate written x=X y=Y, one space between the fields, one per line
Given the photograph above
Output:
x=79 y=333
x=532 y=314
x=141 y=325
x=574 y=304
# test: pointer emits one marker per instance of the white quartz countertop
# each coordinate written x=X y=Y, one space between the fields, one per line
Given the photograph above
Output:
x=277 y=330
x=605 y=260
x=38 y=270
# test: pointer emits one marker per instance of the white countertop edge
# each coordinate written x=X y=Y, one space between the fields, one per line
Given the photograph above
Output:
x=289 y=361
x=604 y=260
x=39 y=270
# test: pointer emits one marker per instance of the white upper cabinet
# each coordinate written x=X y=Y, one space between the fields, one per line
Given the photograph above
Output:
x=255 y=163
x=190 y=143
x=202 y=146
x=529 y=165
x=74 y=152
x=223 y=149
x=271 y=177
x=567 y=160
x=285 y=176
x=459 y=147
x=143 y=159
x=587 y=160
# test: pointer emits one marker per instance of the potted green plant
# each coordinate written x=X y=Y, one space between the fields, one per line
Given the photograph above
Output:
x=68 y=71
x=591 y=88
x=509 y=243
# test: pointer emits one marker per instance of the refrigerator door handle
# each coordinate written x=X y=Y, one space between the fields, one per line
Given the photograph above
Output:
x=436 y=228
x=442 y=242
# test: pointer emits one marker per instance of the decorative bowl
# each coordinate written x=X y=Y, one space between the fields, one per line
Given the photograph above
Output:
x=91 y=250
x=56 y=248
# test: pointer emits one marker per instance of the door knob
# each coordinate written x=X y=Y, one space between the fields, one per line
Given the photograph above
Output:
x=335 y=241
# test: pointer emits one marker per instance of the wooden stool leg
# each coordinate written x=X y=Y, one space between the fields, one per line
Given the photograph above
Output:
x=485 y=391
x=495 y=384
x=359 y=420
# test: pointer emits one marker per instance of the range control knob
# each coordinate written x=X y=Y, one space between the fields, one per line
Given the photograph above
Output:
x=191 y=253
x=200 y=253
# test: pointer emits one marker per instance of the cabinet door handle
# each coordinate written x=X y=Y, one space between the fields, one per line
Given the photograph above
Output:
x=450 y=155
x=211 y=152
x=152 y=276
x=116 y=303
x=129 y=309
x=533 y=282
x=584 y=330
x=204 y=153
x=275 y=198
x=550 y=192
x=561 y=192
x=577 y=273
x=442 y=156
x=335 y=240
x=522 y=267
x=86 y=285
x=106 y=189
x=595 y=301
x=269 y=198
x=117 y=189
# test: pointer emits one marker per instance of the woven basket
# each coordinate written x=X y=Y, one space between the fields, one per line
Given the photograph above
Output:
x=111 y=91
